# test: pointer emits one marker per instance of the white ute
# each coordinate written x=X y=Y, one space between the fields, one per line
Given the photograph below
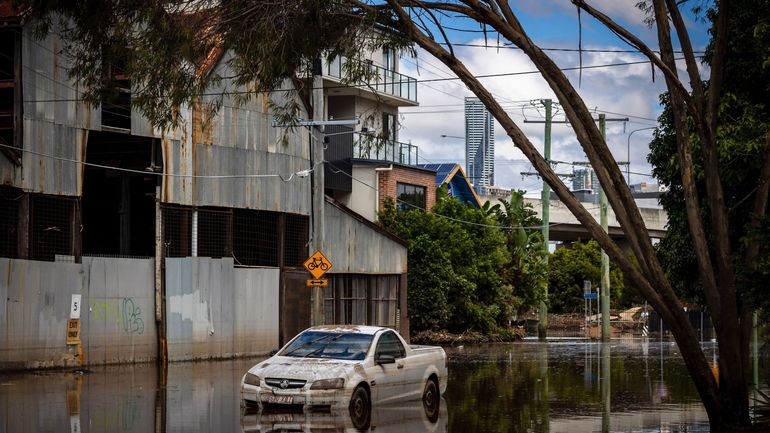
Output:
x=354 y=366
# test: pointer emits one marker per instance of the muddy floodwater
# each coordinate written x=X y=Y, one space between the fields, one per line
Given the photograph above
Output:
x=559 y=386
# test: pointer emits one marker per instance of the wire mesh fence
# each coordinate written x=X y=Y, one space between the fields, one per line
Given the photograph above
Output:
x=251 y=237
x=46 y=225
x=10 y=199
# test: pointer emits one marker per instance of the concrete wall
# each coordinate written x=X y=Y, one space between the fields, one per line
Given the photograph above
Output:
x=655 y=219
x=215 y=310
x=363 y=199
x=117 y=321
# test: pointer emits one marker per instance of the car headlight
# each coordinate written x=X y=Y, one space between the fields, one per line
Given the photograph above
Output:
x=251 y=379
x=328 y=383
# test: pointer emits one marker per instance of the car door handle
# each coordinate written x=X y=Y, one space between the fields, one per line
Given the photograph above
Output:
x=400 y=366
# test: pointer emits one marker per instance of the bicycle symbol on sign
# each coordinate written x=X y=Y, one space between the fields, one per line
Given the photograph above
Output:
x=318 y=263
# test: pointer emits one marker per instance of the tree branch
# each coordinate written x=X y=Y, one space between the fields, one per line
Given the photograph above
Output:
x=668 y=70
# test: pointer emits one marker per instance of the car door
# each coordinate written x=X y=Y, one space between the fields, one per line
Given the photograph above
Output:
x=388 y=375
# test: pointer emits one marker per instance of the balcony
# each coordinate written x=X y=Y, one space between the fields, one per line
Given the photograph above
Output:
x=385 y=150
x=399 y=89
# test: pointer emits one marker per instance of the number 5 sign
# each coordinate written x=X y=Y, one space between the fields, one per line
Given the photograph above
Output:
x=75 y=307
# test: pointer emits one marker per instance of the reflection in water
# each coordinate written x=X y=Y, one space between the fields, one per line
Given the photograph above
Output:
x=525 y=387
x=394 y=418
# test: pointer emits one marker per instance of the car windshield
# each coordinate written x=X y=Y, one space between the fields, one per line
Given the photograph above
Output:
x=336 y=345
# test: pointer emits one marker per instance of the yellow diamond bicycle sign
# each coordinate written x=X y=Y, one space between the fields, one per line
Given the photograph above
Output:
x=317 y=264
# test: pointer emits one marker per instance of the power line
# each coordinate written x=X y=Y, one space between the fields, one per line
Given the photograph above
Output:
x=285 y=178
x=368 y=85
x=562 y=49
x=336 y=170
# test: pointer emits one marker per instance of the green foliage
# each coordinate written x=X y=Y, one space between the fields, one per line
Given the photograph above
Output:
x=569 y=266
x=165 y=47
x=454 y=267
x=526 y=274
x=743 y=125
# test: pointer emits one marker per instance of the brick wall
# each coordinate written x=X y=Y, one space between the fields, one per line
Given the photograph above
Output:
x=412 y=176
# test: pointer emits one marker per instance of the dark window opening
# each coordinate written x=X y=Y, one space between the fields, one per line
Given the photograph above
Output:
x=410 y=197
x=119 y=206
x=51 y=226
x=255 y=237
x=9 y=221
x=215 y=233
x=295 y=237
x=10 y=88
x=116 y=107
x=177 y=223
x=251 y=237
x=389 y=127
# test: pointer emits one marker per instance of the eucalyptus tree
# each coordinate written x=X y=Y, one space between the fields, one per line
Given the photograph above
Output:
x=163 y=44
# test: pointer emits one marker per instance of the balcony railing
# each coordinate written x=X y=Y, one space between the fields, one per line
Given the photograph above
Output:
x=383 y=80
x=385 y=150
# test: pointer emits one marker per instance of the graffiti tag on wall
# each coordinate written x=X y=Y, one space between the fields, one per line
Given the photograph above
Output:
x=126 y=314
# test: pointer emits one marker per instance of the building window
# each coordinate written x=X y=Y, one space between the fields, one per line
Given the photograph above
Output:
x=389 y=59
x=354 y=299
x=388 y=127
x=409 y=197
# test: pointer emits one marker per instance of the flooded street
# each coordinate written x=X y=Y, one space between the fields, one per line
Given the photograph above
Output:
x=560 y=386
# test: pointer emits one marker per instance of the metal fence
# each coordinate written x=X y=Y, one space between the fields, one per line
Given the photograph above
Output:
x=37 y=226
x=385 y=150
x=382 y=80
x=251 y=237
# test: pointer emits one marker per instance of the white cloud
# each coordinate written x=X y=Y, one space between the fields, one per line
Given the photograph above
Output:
x=627 y=90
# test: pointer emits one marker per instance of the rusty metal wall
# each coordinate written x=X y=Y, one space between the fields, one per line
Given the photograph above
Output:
x=116 y=321
x=355 y=246
x=239 y=139
x=215 y=310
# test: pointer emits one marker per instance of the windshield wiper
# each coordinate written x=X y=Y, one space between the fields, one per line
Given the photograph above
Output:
x=324 y=346
x=307 y=343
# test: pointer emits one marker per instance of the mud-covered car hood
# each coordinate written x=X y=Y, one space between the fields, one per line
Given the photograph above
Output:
x=309 y=369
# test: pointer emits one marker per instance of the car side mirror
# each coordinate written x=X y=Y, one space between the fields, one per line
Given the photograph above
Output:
x=385 y=359
x=273 y=352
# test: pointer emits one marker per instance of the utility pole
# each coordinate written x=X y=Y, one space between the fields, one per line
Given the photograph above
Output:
x=605 y=261
x=605 y=264
x=542 y=324
x=318 y=195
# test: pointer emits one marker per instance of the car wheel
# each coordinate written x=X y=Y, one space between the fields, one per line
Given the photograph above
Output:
x=431 y=400
x=360 y=408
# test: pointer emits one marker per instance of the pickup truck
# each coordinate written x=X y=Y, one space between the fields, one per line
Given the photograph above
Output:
x=353 y=366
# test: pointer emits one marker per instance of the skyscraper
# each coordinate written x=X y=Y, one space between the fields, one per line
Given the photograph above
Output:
x=479 y=144
x=585 y=179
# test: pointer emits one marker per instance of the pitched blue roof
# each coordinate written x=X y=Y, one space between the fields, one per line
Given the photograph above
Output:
x=453 y=176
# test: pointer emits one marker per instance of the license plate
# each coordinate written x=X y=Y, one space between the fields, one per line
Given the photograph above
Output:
x=280 y=399
x=280 y=417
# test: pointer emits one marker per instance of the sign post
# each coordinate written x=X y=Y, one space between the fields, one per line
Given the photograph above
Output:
x=318 y=264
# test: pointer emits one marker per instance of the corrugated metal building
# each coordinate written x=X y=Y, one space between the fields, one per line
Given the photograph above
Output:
x=199 y=232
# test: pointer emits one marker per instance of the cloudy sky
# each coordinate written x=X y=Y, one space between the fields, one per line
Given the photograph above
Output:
x=618 y=91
